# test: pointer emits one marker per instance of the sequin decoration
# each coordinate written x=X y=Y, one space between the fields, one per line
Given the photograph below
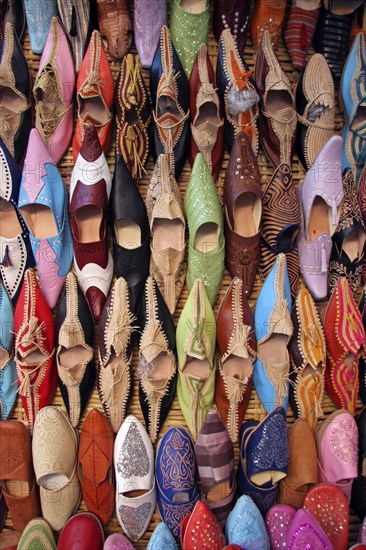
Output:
x=133 y=459
x=307 y=538
x=271 y=452
x=343 y=439
x=278 y=525
x=134 y=519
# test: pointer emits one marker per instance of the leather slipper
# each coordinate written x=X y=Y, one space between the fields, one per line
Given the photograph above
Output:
x=330 y=508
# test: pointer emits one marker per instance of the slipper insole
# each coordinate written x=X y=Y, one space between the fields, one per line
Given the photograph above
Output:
x=353 y=245
x=193 y=6
x=274 y=350
x=89 y=219
x=40 y=220
x=10 y=226
x=198 y=367
x=95 y=108
x=246 y=217
x=53 y=481
x=77 y=355
x=268 y=476
x=319 y=219
x=219 y=491
x=168 y=234
x=163 y=367
x=277 y=100
x=128 y=234
x=206 y=239
x=166 y=104
x=208 y=112
x=237 y=367
x=34 y=358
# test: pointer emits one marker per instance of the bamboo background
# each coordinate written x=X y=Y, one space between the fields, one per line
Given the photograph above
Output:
x=255 y=409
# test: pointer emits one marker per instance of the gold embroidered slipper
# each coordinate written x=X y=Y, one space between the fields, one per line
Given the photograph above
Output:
x=164 y=207
x=114 y=348
x=308 y=357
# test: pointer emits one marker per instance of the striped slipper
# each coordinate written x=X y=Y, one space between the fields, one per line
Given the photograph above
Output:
x=215 y=460
x=280 y=225
x=299 y=31
x=37 y=536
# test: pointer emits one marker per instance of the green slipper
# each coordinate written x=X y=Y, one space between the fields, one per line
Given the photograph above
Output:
x=195 y=340
x=37 y=536
x=206 y=248
x=189 y=29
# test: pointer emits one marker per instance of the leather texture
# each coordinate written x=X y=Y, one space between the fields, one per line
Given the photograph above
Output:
x=314 y=251
x=331 y=39
x=267 y=16
x=329 y=507
x=161 y=538
x=315 y=104
x=16 y=465
x=207 y=134
x=233 y=15
x=38 y=22
x=94 y=85
x=203 y=206
x=130 y=262
x=304 y=529
x=43 y=204
x=78 y=25
x=277 y=128
x=280 y=225
x=152 y=16
x=53 y=92
x=201 y=528
x=34 y=329
x=337 y=463
x=307 y=349
x=233 y=387
x=134 y=468
x=74 y=330
x=346 y=261
x=278 y=520
x=15 y=76
x=16 y=248
x=168 y=82
x=175 y=452
x=358 y=500
x=189 y=29
x=83 y=529
x=273 y=316
x=90 y=189
x=115 y=26
x=54 y=451
x=345 y=337
x=215 y=460
x=246 y=516
x=133 y=116
x=157 y=370
x=117 y=540
x=242 y=176
x=95 y=465
x=14 y=14
x=114 y=351
x=8 y=372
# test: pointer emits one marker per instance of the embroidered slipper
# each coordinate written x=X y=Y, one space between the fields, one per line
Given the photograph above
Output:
x=37 y=534
x=160 y=539
x=135 y=481
x=278 y=520
x=176 y=477
x=308 y=358
x=245 y=526
x=305 y=531
x=358 y=501
x=330 y=508
x=201 y=529
x=336 y=440
x=280 y=225
x=302 y=469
